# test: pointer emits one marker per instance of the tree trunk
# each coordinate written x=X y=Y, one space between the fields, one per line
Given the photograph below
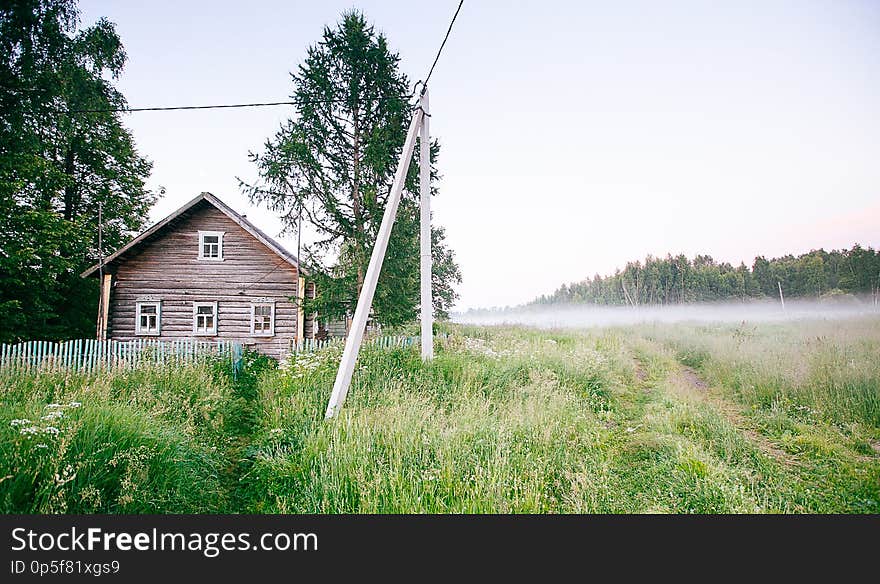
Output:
x=356 y=204
x=70 y=202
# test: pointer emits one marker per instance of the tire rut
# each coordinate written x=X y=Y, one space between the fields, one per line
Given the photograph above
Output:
x=687 y=383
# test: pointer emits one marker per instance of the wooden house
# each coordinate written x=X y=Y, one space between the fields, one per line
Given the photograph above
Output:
x=207 y=273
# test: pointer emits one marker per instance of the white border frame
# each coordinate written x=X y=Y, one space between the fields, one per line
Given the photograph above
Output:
x=213 y=331
x=219 y=235
x=271 y=332
x=137 y=318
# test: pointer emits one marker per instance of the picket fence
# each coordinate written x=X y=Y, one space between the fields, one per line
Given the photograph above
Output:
x=89 y=355
x=383 y=342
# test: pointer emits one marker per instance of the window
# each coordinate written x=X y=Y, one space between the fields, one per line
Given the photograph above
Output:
x=211 y=245
x=263 y=319
x=148 y=318
x=205 y=318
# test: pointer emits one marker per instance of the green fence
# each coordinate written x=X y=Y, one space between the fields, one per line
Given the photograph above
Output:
x=385 y=342
x=92 y=355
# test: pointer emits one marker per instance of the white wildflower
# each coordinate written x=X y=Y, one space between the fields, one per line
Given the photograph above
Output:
x=52 y=406
x=275 y=431
x=51 y=430
x=74 y=404
x=66 y=476
x=480 y=346
x=53 y=415
x=19 y=422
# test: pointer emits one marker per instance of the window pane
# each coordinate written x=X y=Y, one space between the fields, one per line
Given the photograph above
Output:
x=262 y=321
x=148 y=318
x=210 y=246
x=205 y=310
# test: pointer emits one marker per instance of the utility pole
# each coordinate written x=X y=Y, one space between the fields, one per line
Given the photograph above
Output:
x=102 y=325
x=781 y=297
x=300 y=295
x=101 y=241
x=427 y=302
x=365 y=300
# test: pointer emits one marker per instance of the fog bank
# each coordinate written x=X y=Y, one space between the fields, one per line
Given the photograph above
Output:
x=589 y=315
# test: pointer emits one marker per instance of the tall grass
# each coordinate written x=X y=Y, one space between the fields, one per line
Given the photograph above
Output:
x=828 y=368
x=139 y=441
x=503 y=420
x=480 y=429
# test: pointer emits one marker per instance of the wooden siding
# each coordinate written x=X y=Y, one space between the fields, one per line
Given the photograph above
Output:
x=167 y=269
x=337 y=328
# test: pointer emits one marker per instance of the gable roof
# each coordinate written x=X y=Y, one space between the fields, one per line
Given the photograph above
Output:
x=241 y=220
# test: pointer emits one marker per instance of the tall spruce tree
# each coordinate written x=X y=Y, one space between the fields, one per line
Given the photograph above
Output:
x=336 y=160
x=57 y=167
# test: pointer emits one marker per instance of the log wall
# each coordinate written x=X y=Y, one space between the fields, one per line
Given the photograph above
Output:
x=167 y=269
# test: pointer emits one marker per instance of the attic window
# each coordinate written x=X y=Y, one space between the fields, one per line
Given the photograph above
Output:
x=211 y=245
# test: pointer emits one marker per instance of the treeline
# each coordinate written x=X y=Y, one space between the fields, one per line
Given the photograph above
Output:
x=677 y=279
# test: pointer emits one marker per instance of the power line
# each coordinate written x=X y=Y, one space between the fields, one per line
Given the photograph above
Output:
x=443 y=44
x=180 y=107
x=227 y=105
x=262 y=104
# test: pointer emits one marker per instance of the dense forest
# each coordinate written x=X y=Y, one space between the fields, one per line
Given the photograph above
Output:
x=677 y=279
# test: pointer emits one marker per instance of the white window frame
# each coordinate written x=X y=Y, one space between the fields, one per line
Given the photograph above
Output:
x=271 y=331
x=219 y=235
x=209 y=333
x=137 y=318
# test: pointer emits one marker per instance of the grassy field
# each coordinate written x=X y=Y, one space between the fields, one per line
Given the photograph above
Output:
x=646 y=419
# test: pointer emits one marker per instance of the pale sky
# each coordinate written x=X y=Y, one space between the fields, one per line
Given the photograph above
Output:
x=575 y=135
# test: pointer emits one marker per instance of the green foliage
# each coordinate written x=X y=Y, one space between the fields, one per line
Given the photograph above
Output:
x=335 y=163
x=802 y=400
x=678 y=279
x=142 y=441
x=775 y=418
x=827 y=368
x=508 y=420
x=57 y=167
